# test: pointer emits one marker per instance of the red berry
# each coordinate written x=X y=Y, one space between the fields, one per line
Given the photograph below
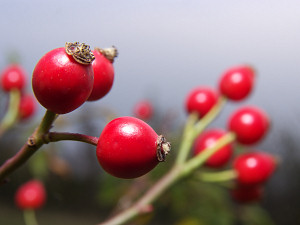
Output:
x=60 y=83
x=27 y=106
x=247 y=194
x=31 y=195
x=254 y=168
x=249 y=123
x=208 y=139
x=129 y=148
x=143 y=110
x=13 y=77
x=103 y=76
x=201 y=100
x=237 y=82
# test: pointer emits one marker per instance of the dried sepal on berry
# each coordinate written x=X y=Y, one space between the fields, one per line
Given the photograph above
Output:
x=109 y=53
x=80 y=52
x=163 y=148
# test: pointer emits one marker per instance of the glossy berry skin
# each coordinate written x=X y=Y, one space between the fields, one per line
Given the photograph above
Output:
x=13 y=77
x=127 y=148
x=30 y=195
x=60 y=83
x=250 y=124
x=201 y=100
x=208 y=139
x=143 y=110
x=103 y=76
x=247 y=194
x=254 y=168
x=27 y=106
x=237 y=82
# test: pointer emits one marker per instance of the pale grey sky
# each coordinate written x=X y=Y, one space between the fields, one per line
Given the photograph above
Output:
x=167 y=47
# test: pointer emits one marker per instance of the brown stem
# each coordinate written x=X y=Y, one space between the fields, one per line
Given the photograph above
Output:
x=64 y=136
x=34 y=142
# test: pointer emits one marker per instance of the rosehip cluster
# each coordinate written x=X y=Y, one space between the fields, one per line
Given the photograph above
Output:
x=65 y=78
x=249 y=124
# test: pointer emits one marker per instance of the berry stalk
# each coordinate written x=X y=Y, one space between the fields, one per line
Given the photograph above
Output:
x=194 y=128
x=29 y=217
x=11 y=114
x=200 y=159
x=221 y=176
x=64 y=136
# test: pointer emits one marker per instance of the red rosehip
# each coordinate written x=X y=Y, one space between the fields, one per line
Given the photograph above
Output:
x=237 y=82
x=27 y=106
x=208 y=139
x=201 y=100
x=254 y=168
x=247 y=194
x=31 y=195
x=143 y=110
x=128 y=148
x=60 y=83
x=13 y=77
x=103 y=74
x=250 y=124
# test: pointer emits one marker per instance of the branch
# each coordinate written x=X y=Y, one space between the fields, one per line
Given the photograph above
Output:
x=65 y=136
x=30 y=147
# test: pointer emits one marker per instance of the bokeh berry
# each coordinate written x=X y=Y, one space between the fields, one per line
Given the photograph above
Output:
x=200 y=100
x=31 y=195
x=237 y=82
x=143 y=110
x=254 y=168
x=13 y=77
x=249 y=123
x=208 y=139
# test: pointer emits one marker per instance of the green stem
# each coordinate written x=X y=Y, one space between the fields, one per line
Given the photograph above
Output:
x=210 y=116
x=11 y=115
x=188 y=137
x=30 y=147
x=194 y=128
x=200 y=159
x=29 y=217
x=222 y=176
x=64 y=136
